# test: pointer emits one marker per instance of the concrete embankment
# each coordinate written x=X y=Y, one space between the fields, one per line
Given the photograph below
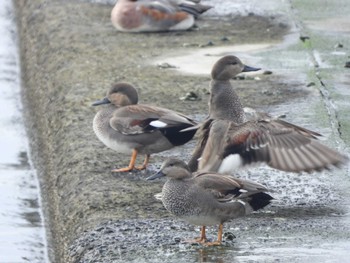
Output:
x=70 y=55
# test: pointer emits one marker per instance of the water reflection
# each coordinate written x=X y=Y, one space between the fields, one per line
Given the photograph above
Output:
x=214 y=255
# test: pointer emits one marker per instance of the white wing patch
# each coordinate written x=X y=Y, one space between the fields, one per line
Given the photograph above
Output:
x=230 y=163
x=240 y=201
x=158 y=124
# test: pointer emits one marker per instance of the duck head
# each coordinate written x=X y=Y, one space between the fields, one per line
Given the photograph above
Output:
x=120 y=94
x=228 y=67
x=172 y=168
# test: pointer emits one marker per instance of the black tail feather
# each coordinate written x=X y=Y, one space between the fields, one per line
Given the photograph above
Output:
x=259 y=200
x=176 y=137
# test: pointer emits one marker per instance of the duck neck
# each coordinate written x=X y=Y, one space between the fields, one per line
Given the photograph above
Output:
x=224 y=102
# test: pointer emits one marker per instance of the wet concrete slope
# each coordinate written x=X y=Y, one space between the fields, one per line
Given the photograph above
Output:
x=71 y=54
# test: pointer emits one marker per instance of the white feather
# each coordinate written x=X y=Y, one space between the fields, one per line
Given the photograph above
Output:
x=158 y=124
x=230 y=163
x=240 y=201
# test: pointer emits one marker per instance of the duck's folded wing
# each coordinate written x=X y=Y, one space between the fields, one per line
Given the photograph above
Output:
x=162 y=13
x=163 y=6
x=226 y=188
x=173 y=118
x=194 y=9
x=130 y=126
x=282 y=146
x=138 y=119
x=214 y=181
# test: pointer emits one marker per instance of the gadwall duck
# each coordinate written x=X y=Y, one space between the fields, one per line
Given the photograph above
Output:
x=128 y=127
x=229 y=140
x=207 y=199
x=155 y=15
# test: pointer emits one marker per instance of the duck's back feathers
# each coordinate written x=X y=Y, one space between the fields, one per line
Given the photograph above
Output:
x=227 y=188
x=139 y=119
x=214 y=181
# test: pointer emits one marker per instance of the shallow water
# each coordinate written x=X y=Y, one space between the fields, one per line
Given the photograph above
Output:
x=21 y=229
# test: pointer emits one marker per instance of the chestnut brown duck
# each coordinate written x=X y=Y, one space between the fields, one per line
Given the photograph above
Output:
x=156 y=15
x=228 y=140
x=128 y=127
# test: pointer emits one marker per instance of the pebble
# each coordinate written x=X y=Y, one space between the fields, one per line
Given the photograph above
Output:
x=225 y=39
x=267 y=72
x=339 y=45
x=304 y=38
x=190 y=96
x=165 y=65
x=229 y=236
x=209 y=44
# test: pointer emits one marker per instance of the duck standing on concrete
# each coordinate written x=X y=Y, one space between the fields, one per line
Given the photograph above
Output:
x=128 y=127
x=155 y=15
x=207 y=199
x=228 y=140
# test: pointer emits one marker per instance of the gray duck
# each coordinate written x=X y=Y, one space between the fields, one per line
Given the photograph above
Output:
x=206 y=199
x=128 y=127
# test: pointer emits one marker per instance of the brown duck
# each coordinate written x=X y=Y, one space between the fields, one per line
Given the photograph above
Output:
x=229 y=140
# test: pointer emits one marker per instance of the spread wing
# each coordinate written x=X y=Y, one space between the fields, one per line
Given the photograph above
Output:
x=281 y=145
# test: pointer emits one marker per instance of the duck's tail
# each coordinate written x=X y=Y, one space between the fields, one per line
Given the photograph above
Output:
x=194 y=9
x=258 y=200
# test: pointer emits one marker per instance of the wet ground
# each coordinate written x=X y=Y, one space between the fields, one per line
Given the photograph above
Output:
x=71 y=54
x=22 y=235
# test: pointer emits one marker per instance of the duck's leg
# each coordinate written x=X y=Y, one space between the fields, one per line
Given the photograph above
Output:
x=217 y=242
x=131 y=163
x=145 y=163
x=202 y=239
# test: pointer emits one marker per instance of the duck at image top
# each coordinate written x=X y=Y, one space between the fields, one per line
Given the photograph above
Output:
x=155 y=15
x=131 y=128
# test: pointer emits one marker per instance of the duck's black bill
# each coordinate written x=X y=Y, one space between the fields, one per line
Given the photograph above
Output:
x=248 y=69
x=101 y=102
x=155 y=176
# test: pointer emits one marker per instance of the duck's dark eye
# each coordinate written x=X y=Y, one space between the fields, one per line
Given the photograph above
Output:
x=233 y=63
